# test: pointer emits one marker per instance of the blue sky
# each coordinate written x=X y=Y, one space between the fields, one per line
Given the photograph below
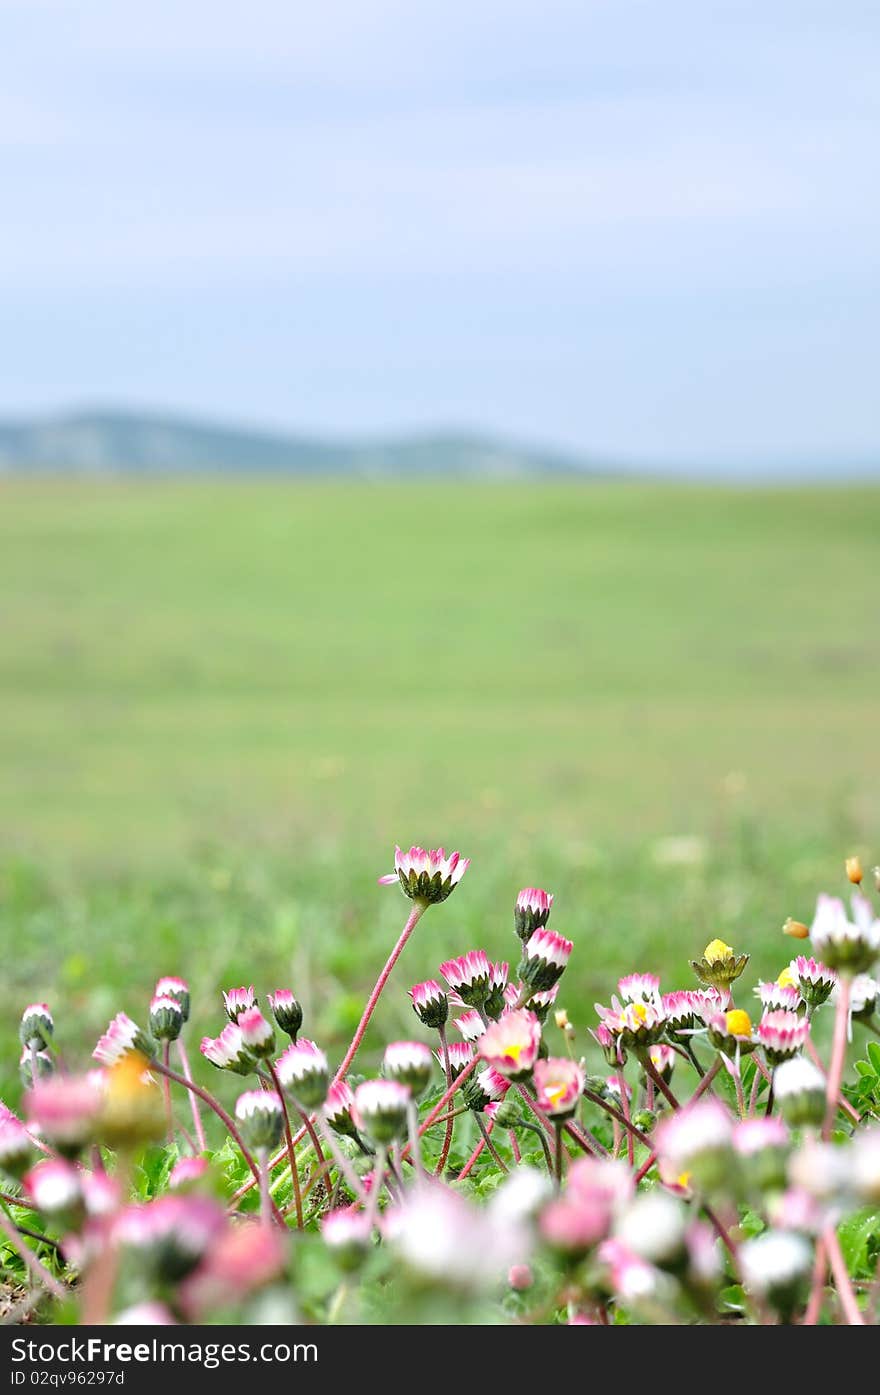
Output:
x=647 y=231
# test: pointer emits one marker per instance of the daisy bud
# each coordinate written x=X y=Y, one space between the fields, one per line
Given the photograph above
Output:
x=782 y=1034
x=380 y=1109
x=520 y=1277
x=776 y=1265
x=697 y=1139
x=544 y=959
x=653 y=1227
x=762 y=1147
x=338 y=1107
x=799 y=1090
x=561 y=1020
x=347 y=1232
x=531 y=912
x=644 y=1119
x=238 y=1000
x=228 y=1051
x=854 y=870
x=719 y=966
x=484 y=1087
x=286 y=1011
x=426 y=875
x=612 y=1046
x=850 y=947
x=261 y=1118
x=469 y=976
x=257 y=1034
x=304 y=1073
x=32 y=1063
x=496 y=997
x=166 y=1019
x=540 y=1003
x=64 y=1110
x=460 y=1056
x=510 y=1114
x=122 y=1037
x=172 y=1234
x=53 y=1187
x=176 y=988
x=640 y=988
x=796 y=929
x=410 y=1063
x=822 y=1170
x=511 y=1045
x=559 y=1083
x=863 y=995
x=37 y=1026
x=430 y=1003
x=815 y=980
x=470 y=1025
x=16 y=1147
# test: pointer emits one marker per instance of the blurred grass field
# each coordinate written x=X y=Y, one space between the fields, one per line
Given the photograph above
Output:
x=222 y=702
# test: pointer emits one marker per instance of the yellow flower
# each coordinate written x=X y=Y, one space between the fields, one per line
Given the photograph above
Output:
x=787 y=979
x=738 y=1023
x=716 y=952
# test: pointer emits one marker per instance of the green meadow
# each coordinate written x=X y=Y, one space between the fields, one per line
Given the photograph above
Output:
x=222 y=703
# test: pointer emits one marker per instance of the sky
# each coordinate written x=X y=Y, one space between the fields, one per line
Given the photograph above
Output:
x=644 y=232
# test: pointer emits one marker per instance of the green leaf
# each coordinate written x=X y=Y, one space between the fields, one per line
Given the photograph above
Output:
x=874 y=1055
x=864 y=1068
x=856 y=1235
x=733 y=1297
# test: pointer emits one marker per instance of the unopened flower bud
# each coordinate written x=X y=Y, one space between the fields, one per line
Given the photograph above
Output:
x=854 y=870
x=380 y=1108
x=37 y=1026
x=286 y=1011
x=796 y=929
x=261 y=1118
x=166 y=1019
x=256 y=1033
x=430 y=1003
x=176 y=988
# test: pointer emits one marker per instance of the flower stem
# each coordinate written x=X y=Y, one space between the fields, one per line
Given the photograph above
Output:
x=415 y=1151
x=418 y=910
x=838 y=1059
x=842 y=1283
x=224 y=1118
x=291 y=1151
x=450 y=1122
x=265 y=1198
x=196 y=1113
x=559 y=1154
x=341 y=1161
x=486 y=1132
x=472 y=1159
x=166 y=1089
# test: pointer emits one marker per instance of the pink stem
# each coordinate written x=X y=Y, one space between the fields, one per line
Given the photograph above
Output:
x=838 y=1058
x=450 y=1122
x=196 y=1113
x=817 y=1287
x=514 y=1144
x=166 y=1087
x=291 y=1153
x=418 y=910
x=624 y=1105
x=842 y=1283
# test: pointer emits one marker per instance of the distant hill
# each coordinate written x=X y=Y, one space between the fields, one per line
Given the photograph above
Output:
x=91 y=442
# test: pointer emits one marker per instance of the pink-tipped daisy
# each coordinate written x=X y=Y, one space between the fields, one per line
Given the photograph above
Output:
x=782 y=1035
x=380 y=1108
x=511 y=1045
x=177 y=988
x=777 y=996
x=37 y=1026
x=815 y=979
x=187 y=1173
x=483 y=1088
x=532 y=910
x=257 y=1034
x=121 y=1037
x=304 y=1072
x=261 y=1118
x=410 y=1063
x=426 y=875
x=545 y=956
x=64 y=1111
x=286 y=1011
x=430 y=1003
x=469 y=976
x=640 y=988
x=166 y=1018
x=16 y=1147
x=460 y=1056
x=54 y=1187
x=238 y=1000
x=470 y=1025
x=228 y=1051
x=496 y=998
x=849 y=946
x=339 y=1109
x=559 y=1083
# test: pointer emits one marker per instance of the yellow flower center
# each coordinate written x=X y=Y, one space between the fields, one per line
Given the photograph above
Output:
x=787 y=979
x=683 y=1179
x=514 y=1050
x=638 y=1011
x=556 y=1091
x=716 y=952
x=127 y=1080
x=738 y=1023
